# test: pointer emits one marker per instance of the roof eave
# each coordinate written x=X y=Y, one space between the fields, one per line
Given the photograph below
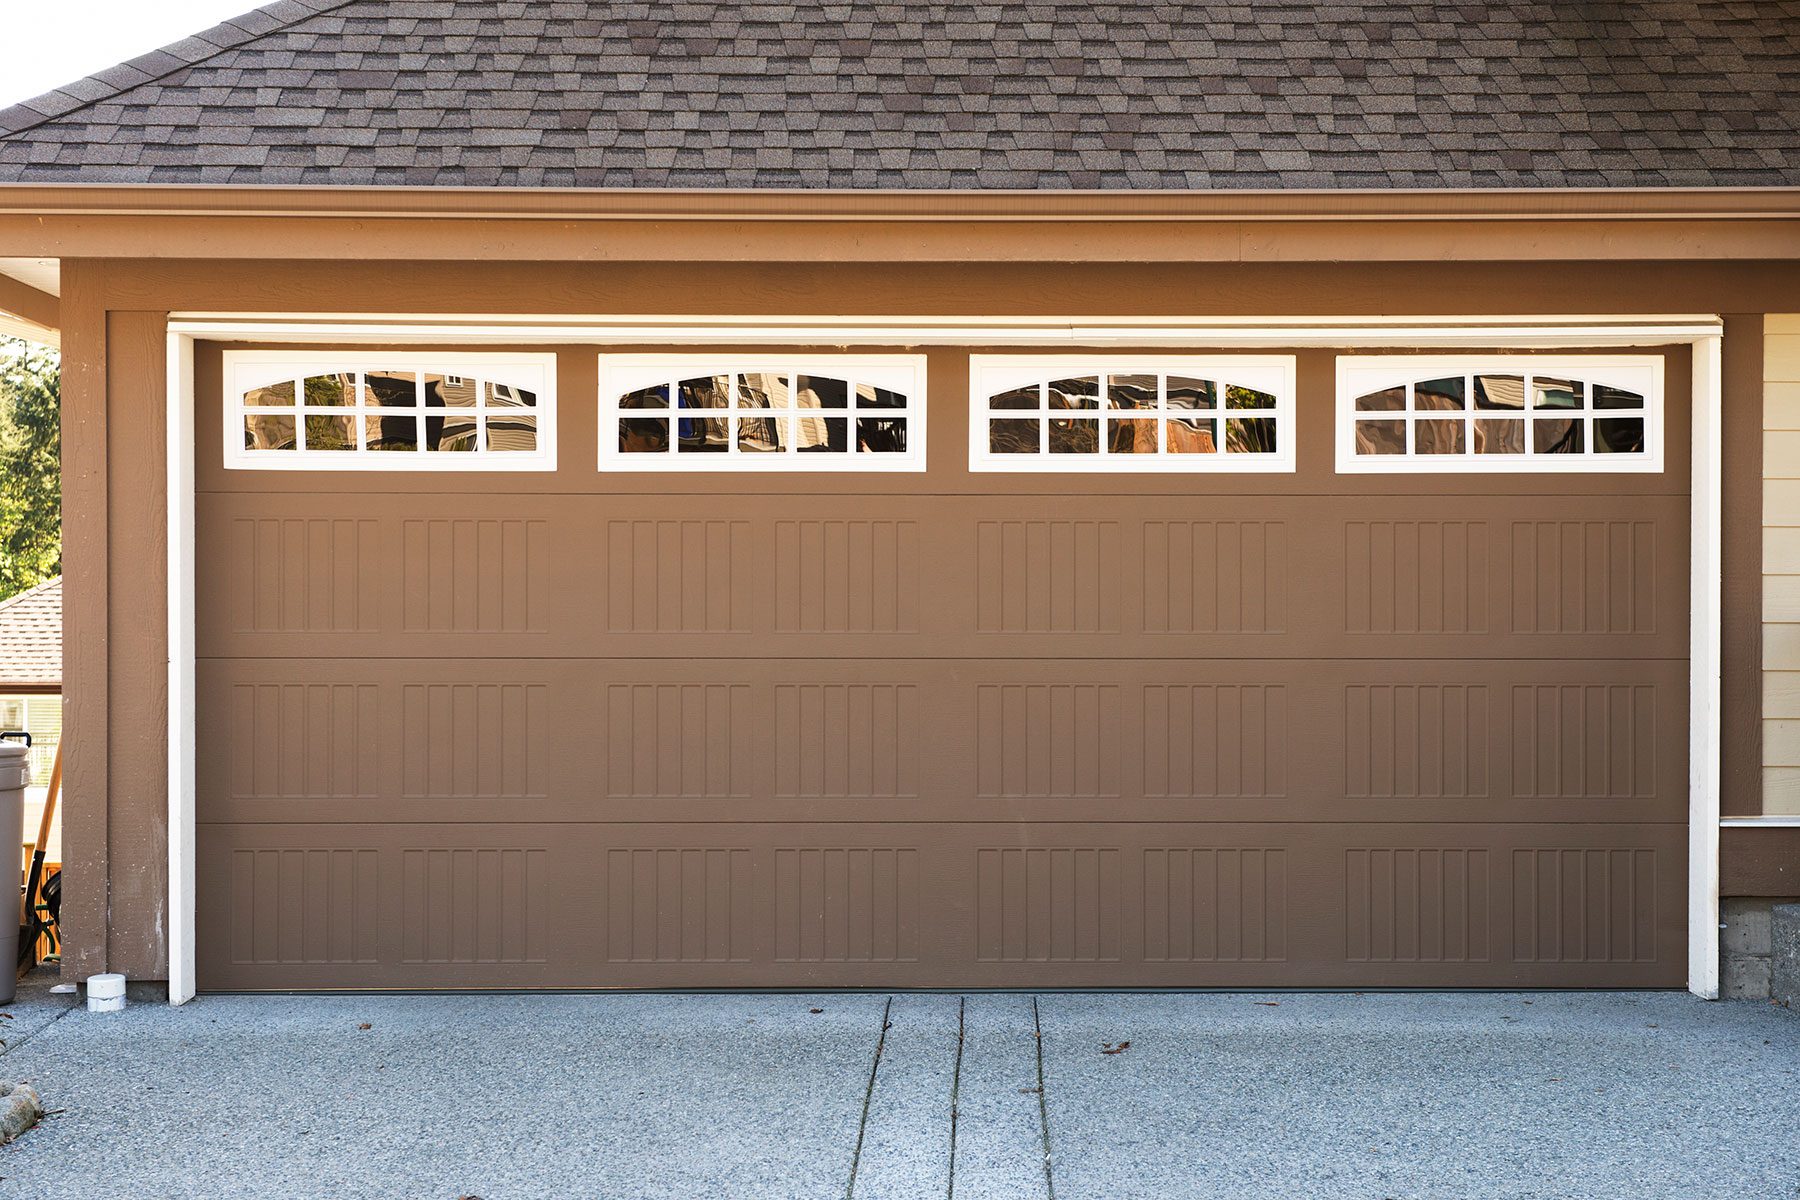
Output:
x=465 y=203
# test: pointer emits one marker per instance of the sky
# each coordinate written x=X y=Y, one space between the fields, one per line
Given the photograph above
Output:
x=50 y=44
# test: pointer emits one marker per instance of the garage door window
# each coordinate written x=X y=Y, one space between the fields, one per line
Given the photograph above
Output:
x=1182 y=414
x=1515 y=413
x=692 y=412
x=356 y=411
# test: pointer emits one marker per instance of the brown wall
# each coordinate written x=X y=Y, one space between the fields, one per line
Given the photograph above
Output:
x=1741 y=752
x=113 y=311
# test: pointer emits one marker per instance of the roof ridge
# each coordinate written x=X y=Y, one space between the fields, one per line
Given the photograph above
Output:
x=160 y=63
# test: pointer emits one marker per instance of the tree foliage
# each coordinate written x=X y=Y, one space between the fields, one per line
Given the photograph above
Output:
x=30 y=466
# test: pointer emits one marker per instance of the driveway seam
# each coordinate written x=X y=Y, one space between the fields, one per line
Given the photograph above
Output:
x=1037 y=1032
x=862 y=1126
x=10 y=1046
x=962 y=1007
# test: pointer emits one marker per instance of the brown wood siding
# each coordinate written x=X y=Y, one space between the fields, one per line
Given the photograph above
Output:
x=88 y=720
x=1741 y=634
x=137 y=637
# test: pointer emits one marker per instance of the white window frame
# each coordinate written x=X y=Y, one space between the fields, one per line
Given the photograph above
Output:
x=247 y=369
x=991 y=374
x=622 y=374
x=1360 y=374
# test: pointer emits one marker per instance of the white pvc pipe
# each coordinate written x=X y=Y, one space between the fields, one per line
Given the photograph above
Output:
x=105 y=993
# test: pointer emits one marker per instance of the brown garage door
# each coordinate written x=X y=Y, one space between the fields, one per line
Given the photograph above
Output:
x=583 y=729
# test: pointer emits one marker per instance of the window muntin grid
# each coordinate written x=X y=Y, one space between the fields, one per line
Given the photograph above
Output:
x=1519 y=413
x=1131 y=414
x=849 y=413
x=389 y=412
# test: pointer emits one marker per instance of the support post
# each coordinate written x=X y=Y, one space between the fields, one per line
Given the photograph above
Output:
x=1706 y=583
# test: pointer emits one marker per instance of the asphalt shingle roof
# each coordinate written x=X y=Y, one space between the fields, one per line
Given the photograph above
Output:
x=1042 y=94
x=31 y=637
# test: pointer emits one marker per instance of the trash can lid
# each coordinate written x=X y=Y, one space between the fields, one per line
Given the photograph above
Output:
x=10 y=750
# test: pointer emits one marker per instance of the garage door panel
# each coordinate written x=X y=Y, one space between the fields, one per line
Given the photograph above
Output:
x=298 y=574
x=1201 y=577
x=1062 y=904
x=799 y=740
x=336 y=739
x=398 y=905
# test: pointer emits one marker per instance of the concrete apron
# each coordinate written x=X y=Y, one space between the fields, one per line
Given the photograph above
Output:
x=1094 y=1096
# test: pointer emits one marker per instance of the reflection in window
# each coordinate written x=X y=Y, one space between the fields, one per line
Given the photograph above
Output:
x=269 y=433
x=1497 y=415
x=1499 y=391
x=1619 y=435
x=389 y=410
x=765 y=414
x=1147 y=416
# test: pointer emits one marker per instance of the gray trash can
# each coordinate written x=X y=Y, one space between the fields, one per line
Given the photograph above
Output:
x=15 y=773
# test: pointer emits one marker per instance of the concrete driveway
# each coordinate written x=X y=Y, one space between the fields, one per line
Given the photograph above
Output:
x=1076 y=1096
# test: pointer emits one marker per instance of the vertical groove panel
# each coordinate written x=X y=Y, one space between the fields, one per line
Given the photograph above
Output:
x=1584 y=577
x=677 y=577
x=473 y=740
x=1417 y=905
x=314 y=575
x=1215 y=741
x=851 y=740
x=474 y=575
x=1047 y=905
x=678 y=905
x=472 y=906
x=305 y=740
x=1047 y=740
x=304 y=906
x=1415 y=577
x=1416 y=741
x=678 y=740
x=1047 y=576
x=846 y=905
x=846 y=576
x=1214 y=576
x=1215 y=905
x=1584 y=740
x=1584 y=905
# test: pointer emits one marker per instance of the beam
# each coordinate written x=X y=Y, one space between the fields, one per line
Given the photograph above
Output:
x=28 y=313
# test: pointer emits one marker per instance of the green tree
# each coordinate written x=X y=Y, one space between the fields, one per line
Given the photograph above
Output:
x=30 y=466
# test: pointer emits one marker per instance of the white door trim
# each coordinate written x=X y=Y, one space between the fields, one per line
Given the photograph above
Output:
x=180 y=418
x=1491 y=332
x=1705 y=657
x=1704 y=333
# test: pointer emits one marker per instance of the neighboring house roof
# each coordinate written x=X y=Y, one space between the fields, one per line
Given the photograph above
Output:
x=31 y=638
x=1041 y=94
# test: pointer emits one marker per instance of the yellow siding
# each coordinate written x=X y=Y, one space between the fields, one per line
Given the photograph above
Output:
x=1781 y=405
x=1781 y=791
x=1781 y=357
x=1781 y=499
x=1782 y=447
x=1781 y=602
x=1781 y=550
x=1781 y=646
x=1781 y=565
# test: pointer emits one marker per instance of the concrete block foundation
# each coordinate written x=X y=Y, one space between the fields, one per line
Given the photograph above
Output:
x=1748 y=960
